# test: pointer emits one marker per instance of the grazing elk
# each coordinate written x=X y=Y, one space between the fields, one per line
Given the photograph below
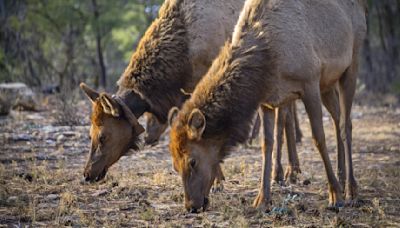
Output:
x=174 y=53
x=281 y=50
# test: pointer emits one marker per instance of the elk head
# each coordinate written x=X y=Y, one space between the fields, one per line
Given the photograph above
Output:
x=114 y=131
x=194 y=157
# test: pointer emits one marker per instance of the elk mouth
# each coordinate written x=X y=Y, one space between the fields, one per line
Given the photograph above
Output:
x=101 y=175
x=204 y=207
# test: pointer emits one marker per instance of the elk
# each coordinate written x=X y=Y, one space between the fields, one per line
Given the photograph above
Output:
x=280 y=51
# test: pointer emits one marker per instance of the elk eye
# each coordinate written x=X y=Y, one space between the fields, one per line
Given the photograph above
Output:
x=192 y=162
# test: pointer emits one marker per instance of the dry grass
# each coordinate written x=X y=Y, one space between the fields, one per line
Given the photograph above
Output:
x=40 y=181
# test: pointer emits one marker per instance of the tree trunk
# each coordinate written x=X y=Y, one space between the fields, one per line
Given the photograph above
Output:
x=103 y=76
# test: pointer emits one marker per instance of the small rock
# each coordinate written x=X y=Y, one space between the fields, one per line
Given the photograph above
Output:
x=19 y=95
x=60 y=138
x=70 y=133
x=53 y=197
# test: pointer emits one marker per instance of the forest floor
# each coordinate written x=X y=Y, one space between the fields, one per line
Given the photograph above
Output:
x=41 y=164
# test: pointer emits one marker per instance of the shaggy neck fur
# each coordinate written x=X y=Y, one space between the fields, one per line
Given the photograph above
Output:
x=236 y=83
x=158 y=68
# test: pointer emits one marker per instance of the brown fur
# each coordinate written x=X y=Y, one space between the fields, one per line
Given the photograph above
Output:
x=160 y=64
x=175 y=53
x=226 y=113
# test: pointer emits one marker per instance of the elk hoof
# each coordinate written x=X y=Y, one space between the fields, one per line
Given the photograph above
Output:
x=335 y=206
x=277 y=176
x=262 y=204
x=351 y=192
x=291 y=174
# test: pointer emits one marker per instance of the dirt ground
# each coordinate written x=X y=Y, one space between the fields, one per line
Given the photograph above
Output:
x=41 y=165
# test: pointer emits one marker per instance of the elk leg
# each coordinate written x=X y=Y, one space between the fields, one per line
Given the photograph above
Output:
x=218 y=184
x=293 y=168
x=331 y=103
x=312 y=103
x=267 y=116
x=299 y=134
x=277 y=170
x=347 y=85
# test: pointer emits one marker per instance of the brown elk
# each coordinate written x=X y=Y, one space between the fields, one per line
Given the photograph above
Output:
x=280 y=51
x=174 y=53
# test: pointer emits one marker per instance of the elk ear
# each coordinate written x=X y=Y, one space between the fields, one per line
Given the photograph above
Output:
x=110 y=106
x=197 y=124
x=130 y=117
x=172 y=114
x=90 y=93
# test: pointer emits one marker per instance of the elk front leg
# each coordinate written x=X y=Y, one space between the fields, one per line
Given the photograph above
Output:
x=312 y=103
x=267 y=117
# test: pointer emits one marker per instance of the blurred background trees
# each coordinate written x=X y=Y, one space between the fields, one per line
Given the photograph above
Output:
x=380 y=66
x=63 y=42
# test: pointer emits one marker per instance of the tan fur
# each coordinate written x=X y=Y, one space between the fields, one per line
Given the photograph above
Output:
x=281 y=50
